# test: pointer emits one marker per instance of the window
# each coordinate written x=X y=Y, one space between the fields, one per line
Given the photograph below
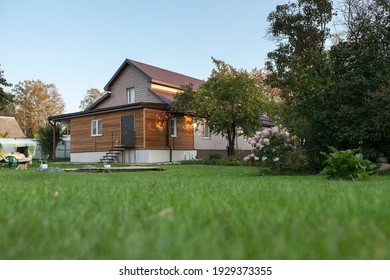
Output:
x=173 y=127
x=96 y=128
x=131 y=95
x=206 y=131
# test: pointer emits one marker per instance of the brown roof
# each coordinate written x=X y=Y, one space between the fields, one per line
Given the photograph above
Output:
x=11 y=126
x=157 y=75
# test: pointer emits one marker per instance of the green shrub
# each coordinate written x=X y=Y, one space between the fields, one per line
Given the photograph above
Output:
x=230 y=161
x=215 y=156
x=294 y=162
x=347 y=165
x=265 y=171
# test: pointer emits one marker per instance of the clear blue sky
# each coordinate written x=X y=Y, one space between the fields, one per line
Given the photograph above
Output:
x=78 y=44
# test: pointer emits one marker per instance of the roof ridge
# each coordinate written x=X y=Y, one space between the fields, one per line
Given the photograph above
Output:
x=160 y=68
x=156 y=74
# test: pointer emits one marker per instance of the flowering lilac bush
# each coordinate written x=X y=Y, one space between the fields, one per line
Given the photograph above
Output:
x=273 y=148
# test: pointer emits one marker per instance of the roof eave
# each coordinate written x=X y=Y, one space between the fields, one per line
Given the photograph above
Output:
x=161 y=83
x=157 y=106
x=97 y=102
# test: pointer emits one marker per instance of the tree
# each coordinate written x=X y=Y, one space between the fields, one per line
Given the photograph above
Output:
x=45 y=138
x=5 y=98
x=335 y=96
x=231 y=100
x=361 y=74
x=300 y=30
x=300 y=68
x=90 y=97
x=34 y=102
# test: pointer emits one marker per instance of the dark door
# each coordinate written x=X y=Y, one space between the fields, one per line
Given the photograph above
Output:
x=128 y=140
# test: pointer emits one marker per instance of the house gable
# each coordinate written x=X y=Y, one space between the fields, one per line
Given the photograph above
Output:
x=151 y=84
x=128 y=77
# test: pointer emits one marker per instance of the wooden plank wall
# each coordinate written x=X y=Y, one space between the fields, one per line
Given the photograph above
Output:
x=80 y=133
x=185 y=134
x=156 y=129
x=82 y=141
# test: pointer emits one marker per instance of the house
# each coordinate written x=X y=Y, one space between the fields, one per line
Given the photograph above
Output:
x=133 y=122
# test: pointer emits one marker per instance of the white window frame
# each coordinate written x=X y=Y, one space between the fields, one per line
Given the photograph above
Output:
x=173 y=127
x=131 y=95
x=206 y=133
x=97 y=127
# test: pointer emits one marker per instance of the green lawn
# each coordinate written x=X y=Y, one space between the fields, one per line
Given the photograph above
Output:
x=216 y=213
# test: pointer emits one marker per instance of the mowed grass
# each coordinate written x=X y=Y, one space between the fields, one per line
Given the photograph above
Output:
x=191 y=212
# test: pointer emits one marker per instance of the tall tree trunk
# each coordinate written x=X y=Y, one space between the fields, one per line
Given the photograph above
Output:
x=231 y=135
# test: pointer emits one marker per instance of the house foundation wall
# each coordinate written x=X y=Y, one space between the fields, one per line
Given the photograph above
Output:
x=158 y=156
x=137 y=156
x=87 y=157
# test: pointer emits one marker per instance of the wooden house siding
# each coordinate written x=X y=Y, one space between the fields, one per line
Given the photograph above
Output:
x=82 y=141
x=80 y=138
x=157 y=127
x=185 y=134
x=131 y=77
